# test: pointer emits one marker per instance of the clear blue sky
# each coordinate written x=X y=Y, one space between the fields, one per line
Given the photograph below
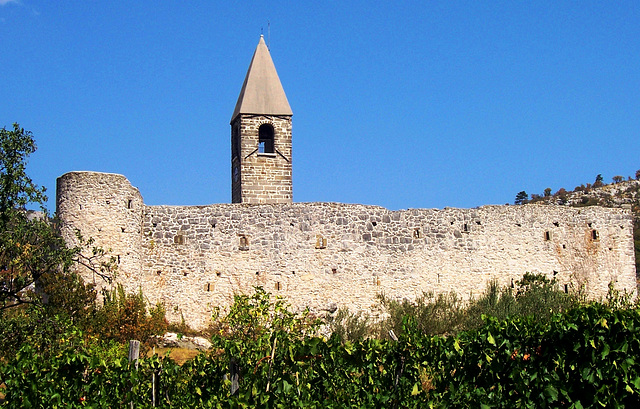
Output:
x=400 y=104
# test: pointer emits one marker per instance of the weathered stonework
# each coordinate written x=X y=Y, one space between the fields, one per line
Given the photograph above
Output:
x=105 y=207
x=326 y=255
x=259 y=177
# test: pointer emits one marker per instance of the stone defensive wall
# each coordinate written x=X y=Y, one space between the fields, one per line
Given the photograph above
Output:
x=327 y=255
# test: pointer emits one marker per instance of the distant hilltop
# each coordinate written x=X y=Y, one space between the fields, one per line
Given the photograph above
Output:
x=619 y=194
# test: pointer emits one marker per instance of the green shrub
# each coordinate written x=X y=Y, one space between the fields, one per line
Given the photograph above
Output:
x=432 y=315
x=348 y=326
x=447 y=314
x=494 y=302
x=124 y=317
x=583 y=357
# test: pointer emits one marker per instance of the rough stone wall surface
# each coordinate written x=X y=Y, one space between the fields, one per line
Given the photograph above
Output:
x=326 y=255
x=263 y=177
x=106 y=208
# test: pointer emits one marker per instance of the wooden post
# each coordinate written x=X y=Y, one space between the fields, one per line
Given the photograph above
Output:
x=233 y=369
x=134 y=354
x=134 y=351
x=393 y=335
x=153 y=384
x=399 y=370
x=273 y=352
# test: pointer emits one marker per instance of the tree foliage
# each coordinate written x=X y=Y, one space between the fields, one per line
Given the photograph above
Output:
x=521 y=198
x=599 y=182
x=40 y=290
x=17 y=189
x=30 y=248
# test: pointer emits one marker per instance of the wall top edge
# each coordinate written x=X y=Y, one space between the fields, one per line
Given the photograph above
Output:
x=548 y=207
x=339 y=205
x=91 y=172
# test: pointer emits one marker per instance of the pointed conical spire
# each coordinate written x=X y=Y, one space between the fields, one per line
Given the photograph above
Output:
x=262 y=92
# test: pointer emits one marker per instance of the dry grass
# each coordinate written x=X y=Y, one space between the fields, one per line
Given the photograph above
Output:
x=180 y=355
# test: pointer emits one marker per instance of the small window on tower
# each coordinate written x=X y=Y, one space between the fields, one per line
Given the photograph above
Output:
x=265 y=139
x=235 y=143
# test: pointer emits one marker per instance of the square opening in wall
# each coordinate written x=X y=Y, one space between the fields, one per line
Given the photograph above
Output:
x=321 y=242
x=244 y=243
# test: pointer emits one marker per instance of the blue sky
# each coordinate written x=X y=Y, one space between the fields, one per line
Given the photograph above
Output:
x=400 y=104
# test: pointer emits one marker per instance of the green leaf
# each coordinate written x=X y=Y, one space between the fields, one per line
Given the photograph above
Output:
x=286 y=386
x=490 y=339
x=456 y=346
x=551 y=392
x=603 y=322
x=415 y=390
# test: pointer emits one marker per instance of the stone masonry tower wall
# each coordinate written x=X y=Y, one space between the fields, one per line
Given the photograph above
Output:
x=261 y=136
x=263 y=172
x=106 y=208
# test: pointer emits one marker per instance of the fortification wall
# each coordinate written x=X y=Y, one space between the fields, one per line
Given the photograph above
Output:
x=326 y=255
x=106 y=208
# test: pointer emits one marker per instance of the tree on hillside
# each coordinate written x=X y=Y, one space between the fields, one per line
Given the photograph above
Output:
x=599 y=182
x=638 y=174
x=521 y=198
x=29 y=245
x=618 y=179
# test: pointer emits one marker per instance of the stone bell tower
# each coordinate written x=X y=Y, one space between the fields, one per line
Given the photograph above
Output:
x=261 y=136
